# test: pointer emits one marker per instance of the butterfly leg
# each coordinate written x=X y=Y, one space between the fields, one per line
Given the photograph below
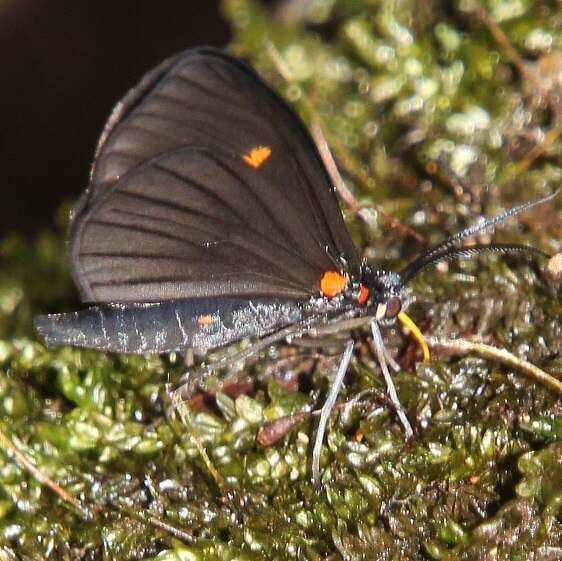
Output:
x=330 y=344
x=390 y=360
x=382 y=353
x=188 y=358
x=327 y=409
x=229 y=361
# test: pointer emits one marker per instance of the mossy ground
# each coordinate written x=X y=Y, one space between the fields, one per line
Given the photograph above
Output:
x=412 y=96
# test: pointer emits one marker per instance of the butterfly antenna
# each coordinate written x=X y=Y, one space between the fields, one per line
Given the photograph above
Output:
x=454 y=252
x=449 y=249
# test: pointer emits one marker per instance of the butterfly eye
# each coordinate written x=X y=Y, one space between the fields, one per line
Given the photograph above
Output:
x=393 y=307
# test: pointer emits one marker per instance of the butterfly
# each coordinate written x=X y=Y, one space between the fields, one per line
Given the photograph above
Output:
x=210 y=217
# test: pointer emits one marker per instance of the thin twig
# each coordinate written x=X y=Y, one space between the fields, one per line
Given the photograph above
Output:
x=536 y=151
x=351 y=165
x=42 y=478
x=183 y=411
x=360 y=399
x=151 y=520
x=461 y=188
x=317 y=132
x=525 y=71
x=502 y=356
x=272 y=432
x=503 y=41
x=326 y=154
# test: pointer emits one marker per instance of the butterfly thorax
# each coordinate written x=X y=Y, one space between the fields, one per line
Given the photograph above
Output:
x=373 y=294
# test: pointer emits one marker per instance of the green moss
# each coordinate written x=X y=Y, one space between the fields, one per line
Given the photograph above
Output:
x=409 y=94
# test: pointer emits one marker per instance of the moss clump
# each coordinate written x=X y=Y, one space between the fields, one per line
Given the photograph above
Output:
x=432 y=124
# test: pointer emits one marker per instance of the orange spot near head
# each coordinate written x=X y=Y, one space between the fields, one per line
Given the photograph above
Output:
x=204 y=320
x=332 y=284
x=363 y=294
x=257 y=156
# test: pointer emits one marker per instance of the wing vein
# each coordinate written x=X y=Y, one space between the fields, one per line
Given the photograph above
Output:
x=265 y=259
x=286 y=234
x=198 y=213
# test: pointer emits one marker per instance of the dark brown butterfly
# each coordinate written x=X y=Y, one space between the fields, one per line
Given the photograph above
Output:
x=210 y=217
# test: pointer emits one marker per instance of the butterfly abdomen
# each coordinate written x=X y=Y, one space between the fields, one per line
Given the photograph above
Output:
x=198 y=324
x=108 y=328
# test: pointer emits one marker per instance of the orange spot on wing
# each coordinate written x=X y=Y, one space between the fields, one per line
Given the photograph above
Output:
x=257 y=156
x=332 y=284
x=205 y=320
x=363 y=294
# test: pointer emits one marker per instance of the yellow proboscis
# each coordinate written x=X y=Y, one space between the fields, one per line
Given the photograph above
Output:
x=408 y=322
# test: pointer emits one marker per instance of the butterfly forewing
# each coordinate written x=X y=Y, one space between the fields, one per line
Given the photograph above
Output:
x=206 y=184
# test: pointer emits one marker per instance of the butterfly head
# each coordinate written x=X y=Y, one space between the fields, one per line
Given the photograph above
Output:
x=386 y=295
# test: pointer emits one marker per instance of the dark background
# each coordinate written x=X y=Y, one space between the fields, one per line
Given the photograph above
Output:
x=64 y=64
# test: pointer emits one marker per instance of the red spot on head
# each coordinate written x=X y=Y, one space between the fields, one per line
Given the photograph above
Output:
x=332 y=284
x=363 y=294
